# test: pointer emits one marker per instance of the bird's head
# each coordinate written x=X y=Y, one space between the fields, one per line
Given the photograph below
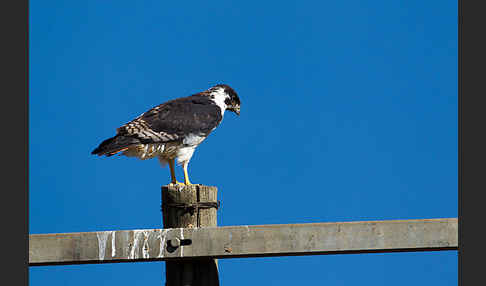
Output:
x=228 y=96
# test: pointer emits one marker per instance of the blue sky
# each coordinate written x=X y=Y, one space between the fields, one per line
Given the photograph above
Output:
x=349 y=112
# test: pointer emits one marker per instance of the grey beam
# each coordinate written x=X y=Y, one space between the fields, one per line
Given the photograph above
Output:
x=243 y=241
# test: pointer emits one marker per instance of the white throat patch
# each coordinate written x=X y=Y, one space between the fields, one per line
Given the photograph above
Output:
x=219 y=96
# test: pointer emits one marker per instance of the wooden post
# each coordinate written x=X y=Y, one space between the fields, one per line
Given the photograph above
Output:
x=190 y=206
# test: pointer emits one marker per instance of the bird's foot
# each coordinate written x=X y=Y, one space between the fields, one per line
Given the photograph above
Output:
x=177 y=183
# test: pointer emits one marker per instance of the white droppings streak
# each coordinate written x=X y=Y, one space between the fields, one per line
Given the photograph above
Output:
x=135 y=244
x=113 y=247
x=182 y=247
x=102 y=238
x=145 y=249
x=163 y=239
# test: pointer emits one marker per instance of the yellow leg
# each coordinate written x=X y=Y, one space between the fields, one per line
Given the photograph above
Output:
x=172 y=173
x=186 y=175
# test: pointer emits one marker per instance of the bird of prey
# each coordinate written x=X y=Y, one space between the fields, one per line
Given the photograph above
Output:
x=172 y=130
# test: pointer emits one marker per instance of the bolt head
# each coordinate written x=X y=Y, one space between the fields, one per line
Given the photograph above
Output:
x=175 y=242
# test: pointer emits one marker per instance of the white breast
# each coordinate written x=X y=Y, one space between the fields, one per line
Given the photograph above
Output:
x=184 y=154
x=193 y=140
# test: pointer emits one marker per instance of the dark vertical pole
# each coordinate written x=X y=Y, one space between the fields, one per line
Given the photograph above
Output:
x=190 y=207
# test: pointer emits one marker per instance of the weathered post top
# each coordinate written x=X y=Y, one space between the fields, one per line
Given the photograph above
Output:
x=189 y=206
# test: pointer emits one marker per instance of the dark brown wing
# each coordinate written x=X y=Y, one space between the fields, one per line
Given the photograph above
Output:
x=175 y=119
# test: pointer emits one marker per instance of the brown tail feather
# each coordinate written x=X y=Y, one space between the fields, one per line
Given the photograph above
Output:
x=115 y=144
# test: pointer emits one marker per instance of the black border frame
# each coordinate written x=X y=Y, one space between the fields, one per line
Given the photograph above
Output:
x=15 y=119
x=471 y=145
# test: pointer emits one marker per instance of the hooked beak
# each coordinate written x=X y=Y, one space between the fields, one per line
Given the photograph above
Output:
x=235 y=109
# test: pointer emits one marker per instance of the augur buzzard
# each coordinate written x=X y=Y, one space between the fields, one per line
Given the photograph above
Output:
x=172 y=130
